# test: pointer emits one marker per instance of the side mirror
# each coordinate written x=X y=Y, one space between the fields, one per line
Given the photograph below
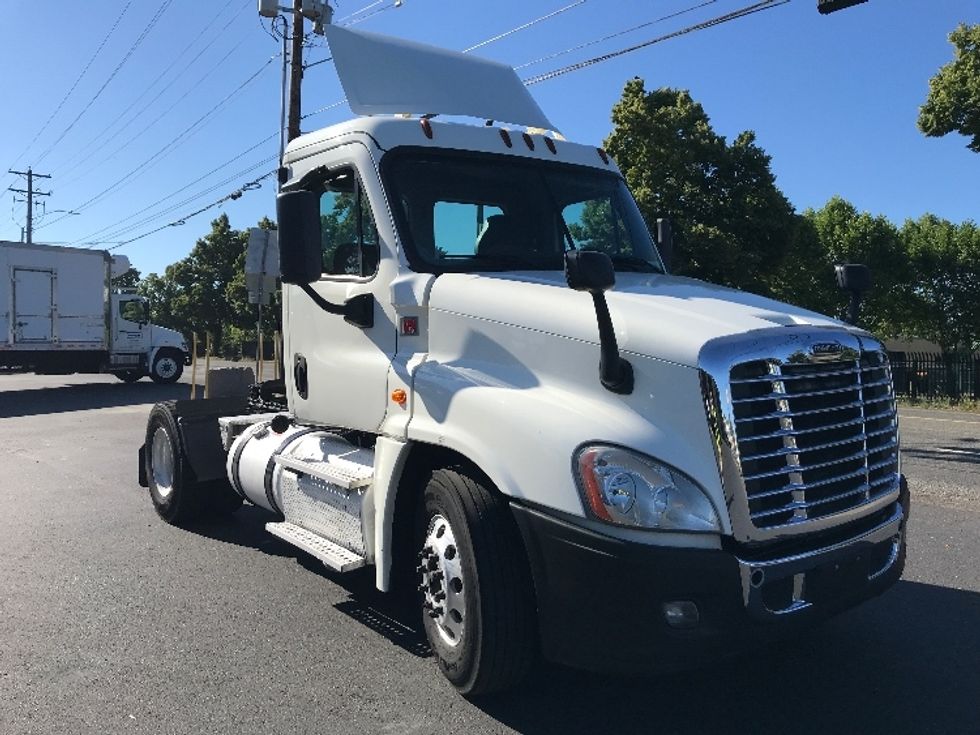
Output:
x=665 y=242
x=588 y=270
x=854 y=278
x=300 y=259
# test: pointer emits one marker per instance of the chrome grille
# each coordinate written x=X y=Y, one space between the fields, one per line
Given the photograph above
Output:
x=815 y=437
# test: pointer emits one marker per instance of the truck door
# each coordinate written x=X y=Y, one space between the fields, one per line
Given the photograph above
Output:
x=337 y=371
x=131 y=332
x=34 y=305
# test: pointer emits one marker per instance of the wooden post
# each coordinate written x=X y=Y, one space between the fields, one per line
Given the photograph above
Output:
x=260 y=358
x=207 y=364
x=194 y=366
x=278 y=354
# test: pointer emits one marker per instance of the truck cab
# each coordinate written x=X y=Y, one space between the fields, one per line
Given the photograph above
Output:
x=140 y=348
x=498 y=396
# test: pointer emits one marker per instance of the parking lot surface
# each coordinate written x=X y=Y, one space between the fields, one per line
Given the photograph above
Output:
x=112 y=621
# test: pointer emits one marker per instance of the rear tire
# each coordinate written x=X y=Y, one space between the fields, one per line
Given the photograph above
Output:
x=177 y=496
x=168 y=366
x=477 y=598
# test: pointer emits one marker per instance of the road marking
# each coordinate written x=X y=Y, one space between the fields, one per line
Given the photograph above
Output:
x=905 y=417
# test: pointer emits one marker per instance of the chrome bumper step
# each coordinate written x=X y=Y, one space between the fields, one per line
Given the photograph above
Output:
x=337 y=557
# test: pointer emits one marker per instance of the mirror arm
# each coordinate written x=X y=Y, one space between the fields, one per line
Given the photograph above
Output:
x=358 y=311
x=615 y=371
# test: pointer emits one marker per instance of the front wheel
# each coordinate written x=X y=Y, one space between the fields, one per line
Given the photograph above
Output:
x=476 y=593
x=167 y=367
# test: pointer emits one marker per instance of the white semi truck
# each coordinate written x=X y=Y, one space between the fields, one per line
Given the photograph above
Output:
x=498 y=397
x=59 y=314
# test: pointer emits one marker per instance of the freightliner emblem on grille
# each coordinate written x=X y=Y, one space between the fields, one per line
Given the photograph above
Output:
x=826 y=350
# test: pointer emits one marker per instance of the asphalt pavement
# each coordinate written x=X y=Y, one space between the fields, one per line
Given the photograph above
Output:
x=112 y=621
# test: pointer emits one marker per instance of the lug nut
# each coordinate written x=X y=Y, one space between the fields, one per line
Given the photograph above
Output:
x=439 y=596
x=433 y=563
x=438 y=576
x=437 y=610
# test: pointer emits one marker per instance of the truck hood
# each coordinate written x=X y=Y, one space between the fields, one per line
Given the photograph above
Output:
x=656 y=315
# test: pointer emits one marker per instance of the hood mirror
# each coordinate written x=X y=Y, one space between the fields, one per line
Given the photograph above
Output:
x=591 y=271
x=854 y=278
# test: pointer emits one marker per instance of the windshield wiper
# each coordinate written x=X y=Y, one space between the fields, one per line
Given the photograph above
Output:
x=633 y=263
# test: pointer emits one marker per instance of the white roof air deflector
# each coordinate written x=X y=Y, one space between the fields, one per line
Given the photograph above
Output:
x=387 y=75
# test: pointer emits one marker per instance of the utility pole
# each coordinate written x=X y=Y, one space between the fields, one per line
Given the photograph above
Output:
x=30 y=194
x=296 y=71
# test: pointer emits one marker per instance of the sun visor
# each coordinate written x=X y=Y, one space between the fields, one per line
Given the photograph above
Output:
x=386 y=75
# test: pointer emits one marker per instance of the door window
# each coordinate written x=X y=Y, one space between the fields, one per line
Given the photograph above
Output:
x=134 y=310
x=348 y=234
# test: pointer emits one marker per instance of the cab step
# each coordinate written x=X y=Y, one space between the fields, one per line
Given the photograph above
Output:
x=337 y=557
x=342 y=470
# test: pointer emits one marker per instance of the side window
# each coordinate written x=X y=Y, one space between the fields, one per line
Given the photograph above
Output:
x=133 y=310
x=458 y=227
x=595 y=224
x=348 y=235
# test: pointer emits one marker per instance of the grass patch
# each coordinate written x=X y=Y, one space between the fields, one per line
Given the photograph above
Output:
x=942 y=403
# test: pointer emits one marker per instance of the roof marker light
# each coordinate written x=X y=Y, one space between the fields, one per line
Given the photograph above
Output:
x=506 y=137
x=603 y=155
x=426 y=127
x=529 y=141
x=551 y=145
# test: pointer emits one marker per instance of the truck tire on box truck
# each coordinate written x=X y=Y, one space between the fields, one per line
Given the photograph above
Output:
x=498 y=397
x=59 y=314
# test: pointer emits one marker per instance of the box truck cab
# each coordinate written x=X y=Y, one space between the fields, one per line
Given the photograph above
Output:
x=498 y=396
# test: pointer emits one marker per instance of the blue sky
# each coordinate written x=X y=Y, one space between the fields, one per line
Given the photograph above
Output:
x=833 y=99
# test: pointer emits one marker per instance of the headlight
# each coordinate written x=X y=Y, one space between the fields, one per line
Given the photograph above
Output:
x=631 y=489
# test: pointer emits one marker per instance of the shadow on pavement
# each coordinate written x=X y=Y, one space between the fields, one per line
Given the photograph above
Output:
x=391 y=617
x=906 y=662
x=66 y=398
x=946 y=454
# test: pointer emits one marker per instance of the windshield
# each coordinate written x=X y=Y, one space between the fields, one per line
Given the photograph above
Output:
x=464 y=212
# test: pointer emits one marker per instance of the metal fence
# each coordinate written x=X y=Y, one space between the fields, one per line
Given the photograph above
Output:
x=928 y=374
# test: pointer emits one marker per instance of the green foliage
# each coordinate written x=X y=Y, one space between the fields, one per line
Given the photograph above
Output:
x=953 y=104
x=731 y=222
x=129 y=279
x=205 y=292
x=943 y=299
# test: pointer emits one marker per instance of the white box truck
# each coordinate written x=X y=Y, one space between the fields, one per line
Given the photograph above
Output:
x=498 y=397
x=59 y=314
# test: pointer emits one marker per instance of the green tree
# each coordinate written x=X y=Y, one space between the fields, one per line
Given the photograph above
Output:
x=732 y=224
x=944 y=296
x=953 y=104
x=848 y=236
x=205 y=292
x=129 y=279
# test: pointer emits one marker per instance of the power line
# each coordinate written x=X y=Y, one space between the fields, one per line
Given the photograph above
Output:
x=734 y=15
x=237 y=194
x=139 y=40
x=525 y=26
x=78 y=79
x=211 y=69
x=108 y=132
x=142 y=167
x=182 y=203
x=611 y=36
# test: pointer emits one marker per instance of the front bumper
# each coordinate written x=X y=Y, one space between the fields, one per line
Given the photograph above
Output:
x=600 y=599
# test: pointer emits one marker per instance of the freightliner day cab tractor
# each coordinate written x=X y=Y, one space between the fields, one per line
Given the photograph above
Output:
x=59 y=314
x=497 y=395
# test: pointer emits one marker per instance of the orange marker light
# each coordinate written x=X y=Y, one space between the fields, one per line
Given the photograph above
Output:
x=399 y=396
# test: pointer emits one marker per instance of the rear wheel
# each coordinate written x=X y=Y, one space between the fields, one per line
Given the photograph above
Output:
x=476 y=594
x=167 y=367
x=177 y=496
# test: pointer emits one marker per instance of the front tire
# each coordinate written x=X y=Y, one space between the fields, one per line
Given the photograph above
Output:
x=177 y=496
x=167 y=367
x=476 y=593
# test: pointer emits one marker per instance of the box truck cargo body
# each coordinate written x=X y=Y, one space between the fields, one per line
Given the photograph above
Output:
x=59 y=314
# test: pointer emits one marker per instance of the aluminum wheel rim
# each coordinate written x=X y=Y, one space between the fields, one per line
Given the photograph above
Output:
x=162 y=462
x=166 y=367
x=443 y=587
